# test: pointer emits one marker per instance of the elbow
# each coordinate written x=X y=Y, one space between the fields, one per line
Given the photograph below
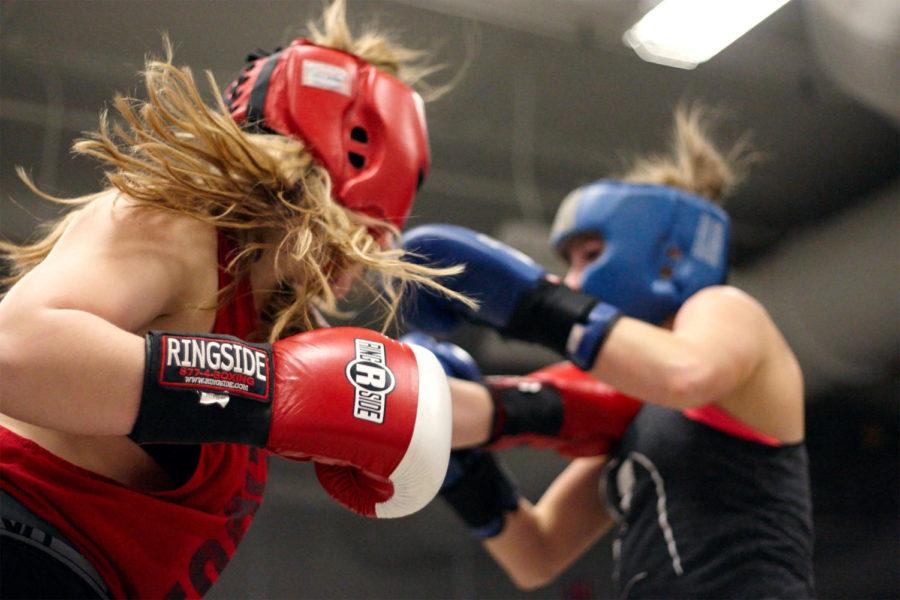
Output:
x=531 y=581
x=690 y=383
x=534 y=574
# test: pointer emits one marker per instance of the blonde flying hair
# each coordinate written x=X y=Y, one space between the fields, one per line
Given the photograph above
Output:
x=175 y=153
x=694 y=163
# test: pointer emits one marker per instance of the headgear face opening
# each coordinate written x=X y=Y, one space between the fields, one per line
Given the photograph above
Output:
x=661 y=244
x=365 y=126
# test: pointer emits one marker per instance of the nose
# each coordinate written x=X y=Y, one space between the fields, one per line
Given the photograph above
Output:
x=572 y=280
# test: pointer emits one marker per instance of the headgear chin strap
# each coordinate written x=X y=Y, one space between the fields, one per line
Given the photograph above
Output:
x=661 y=244
x=365 y=126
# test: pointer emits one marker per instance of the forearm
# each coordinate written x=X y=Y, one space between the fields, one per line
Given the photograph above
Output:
x=532 y=554
x=520 y=549
x=71 y=371
x=657 y=366
x=539 y=542
x=472 y=413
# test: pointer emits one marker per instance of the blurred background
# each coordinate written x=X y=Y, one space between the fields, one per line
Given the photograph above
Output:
x=549 y=97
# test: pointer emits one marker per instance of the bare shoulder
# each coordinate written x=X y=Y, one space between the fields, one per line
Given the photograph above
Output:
x=725 y=304
x=726 y=296
x=118 y=220
x=770 y=397
x=123 y=263
x=114 y=230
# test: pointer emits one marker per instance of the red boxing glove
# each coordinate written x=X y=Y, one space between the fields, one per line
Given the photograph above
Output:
x=373 y=413
x=559 y=407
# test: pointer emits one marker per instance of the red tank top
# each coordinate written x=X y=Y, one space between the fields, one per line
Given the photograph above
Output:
x=165 y=544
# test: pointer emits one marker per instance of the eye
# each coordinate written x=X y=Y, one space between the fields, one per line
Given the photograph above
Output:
x=591 y=250
x=592 y=254
x=582 y=249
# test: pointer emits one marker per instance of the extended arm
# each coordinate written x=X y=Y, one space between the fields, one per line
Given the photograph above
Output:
x=533 y=544
x=473 y=413
x=722 y=350
x=558 y=407
x=720 y=335
x=75 y=359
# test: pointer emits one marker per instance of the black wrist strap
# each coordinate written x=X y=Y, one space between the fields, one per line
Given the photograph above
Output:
x=546 y=315
x=527 y=407
x=205 y=388
x=482 y=492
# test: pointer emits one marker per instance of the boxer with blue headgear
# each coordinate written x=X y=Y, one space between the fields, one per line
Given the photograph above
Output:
x=661 y=244
x=708 y=482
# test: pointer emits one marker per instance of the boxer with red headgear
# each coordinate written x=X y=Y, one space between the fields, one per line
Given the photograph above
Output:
x=708 y=481
x=366 y=126
x=157 y=342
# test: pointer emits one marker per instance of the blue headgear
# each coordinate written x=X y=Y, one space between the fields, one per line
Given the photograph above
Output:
x=661 y=244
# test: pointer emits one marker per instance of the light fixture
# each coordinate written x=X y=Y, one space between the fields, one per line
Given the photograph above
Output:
x=685 y=33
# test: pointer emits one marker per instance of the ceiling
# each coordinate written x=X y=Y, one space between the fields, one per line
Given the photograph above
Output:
x=546 y=97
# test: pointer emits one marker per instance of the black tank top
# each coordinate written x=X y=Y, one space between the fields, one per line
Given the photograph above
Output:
x=703 y=514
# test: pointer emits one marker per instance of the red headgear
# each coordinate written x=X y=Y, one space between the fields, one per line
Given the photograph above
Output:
x=365 y=126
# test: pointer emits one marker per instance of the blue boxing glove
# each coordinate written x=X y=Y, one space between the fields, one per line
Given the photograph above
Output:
x=476 y=485
x=515 y=297
x=480 y=491
x=456 y=362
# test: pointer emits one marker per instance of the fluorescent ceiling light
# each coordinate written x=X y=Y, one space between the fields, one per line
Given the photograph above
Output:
x=685 y=33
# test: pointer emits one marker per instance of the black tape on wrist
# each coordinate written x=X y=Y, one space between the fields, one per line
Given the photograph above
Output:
x=546 y=315
x=205 y=388
x=483 y=493
x=528 y=407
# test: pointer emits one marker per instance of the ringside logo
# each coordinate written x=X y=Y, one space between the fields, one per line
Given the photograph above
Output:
x=215 y=366
x=371 y=379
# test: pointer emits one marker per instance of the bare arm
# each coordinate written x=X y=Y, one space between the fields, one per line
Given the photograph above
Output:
x=71 y=350
x=539 y=542
x=723 y=349
x=472 y=413
x=716 y=343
